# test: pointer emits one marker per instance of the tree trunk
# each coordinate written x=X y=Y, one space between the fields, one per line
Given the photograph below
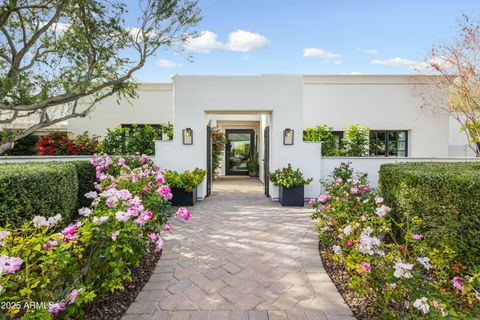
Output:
x=477 y=149
x=4 y=147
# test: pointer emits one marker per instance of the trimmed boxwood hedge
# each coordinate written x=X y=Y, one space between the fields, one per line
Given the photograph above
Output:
x=445 y=195
x=86 y=178
x=43 y=188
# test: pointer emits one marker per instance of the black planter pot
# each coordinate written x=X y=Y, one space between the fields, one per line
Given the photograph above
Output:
x=291 y=197
x=184 y=198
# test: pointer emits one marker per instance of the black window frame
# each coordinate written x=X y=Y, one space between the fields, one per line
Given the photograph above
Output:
x=373 y=150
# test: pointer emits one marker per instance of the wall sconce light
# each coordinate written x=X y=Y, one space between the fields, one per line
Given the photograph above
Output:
x=288 y=137
x=187 y=135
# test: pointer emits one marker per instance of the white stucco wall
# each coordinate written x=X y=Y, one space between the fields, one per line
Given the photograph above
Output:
x=154 y=105
x=281 y=97
x=379 y=103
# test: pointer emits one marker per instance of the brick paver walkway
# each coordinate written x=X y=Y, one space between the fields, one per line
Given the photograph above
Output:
x=241 y=256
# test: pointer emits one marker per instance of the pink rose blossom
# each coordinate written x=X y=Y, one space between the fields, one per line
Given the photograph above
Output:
x=50 y=244
x=164 y=190
x=378 y=200
x=144 y=158
x=322 y=198
x=365 y=267
x=114 y=235
x=457 y=283
x=167 y=227
x=55 y=308
x=417 y=236
x=153 y=236
x=349 y=243
x=69 y=232
x=73 y=295
x=160 y=179
x=9 y=264
x=339 y=180
x=183 y=213
x=311 y=202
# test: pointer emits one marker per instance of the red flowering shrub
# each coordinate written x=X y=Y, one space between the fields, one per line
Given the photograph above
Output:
x=62 y=143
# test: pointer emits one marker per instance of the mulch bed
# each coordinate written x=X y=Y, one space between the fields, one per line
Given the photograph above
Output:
x=360 y=307
x=112 y=306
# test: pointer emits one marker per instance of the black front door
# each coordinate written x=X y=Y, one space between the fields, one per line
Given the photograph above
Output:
x=209 y=160
x=239 y=149
x=266 y=159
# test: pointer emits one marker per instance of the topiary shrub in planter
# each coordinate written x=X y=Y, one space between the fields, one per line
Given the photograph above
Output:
x=291 y=185
x=33 y=188
x=184 y=185
x=252 y=166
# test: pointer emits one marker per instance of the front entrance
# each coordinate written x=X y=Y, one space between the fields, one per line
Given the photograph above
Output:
x=239 y=149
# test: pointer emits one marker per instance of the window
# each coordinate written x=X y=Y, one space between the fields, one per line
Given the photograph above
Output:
x=338 y=139
x=389 y=143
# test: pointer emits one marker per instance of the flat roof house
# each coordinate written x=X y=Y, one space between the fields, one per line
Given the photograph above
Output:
x=255 y=111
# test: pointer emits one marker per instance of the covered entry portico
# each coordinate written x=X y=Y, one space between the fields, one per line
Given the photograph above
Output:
x=274 y=101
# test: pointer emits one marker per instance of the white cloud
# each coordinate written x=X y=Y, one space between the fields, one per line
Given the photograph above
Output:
x=239 y=41
x=319 y=53
x=372 y=52
x=245 y=41
x=164 y=63
x=397 y=62
x=204 y=43
x=352 y=73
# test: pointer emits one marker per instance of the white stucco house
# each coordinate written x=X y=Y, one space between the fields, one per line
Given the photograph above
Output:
x=255 y=111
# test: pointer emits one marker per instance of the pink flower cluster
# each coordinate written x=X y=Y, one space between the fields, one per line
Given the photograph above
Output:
x=9 y=264
x=55 y=308
x=69 y=232
x=182 y=213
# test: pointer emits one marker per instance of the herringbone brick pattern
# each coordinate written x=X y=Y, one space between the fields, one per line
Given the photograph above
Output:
x=241 y=256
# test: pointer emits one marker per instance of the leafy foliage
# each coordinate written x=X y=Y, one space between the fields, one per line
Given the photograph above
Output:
x=26 y=146
x=59 y=58
x=29 y=189
x=252 y=164
x=62 y=143
x=403 y=275
x=445 y=196
x=288 y=178
x=324 y=134
x=355 y=141
x=134 y=140
x=186 y=180
x=70 y=266
x=86 y=178
x=218 y=145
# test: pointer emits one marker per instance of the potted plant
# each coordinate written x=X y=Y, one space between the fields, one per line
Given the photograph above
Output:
x=291 y=185
x=252 y=166
x=184 y=185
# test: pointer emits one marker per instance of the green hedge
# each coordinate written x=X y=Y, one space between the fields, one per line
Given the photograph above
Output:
x=86 y=178
x=29 y=189
x=447 y=198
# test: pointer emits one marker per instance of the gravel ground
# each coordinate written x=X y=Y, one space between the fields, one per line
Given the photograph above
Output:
x=112 y=306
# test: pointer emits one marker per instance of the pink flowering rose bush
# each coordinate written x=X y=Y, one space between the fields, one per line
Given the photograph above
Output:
x=399 y=274
x=68 y=263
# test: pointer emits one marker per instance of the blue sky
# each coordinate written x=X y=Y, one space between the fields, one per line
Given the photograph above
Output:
x=252 y=37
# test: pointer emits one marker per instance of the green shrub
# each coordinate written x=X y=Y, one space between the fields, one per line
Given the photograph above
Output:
x=288 y=178
x=446 y=196
x=324 y=134
x=86 y=177
x=137 y=139
x=401 y=276
x=187 y=180
x=355 y=141
x=29 y=189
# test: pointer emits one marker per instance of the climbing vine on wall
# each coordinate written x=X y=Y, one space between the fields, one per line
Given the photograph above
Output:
x=218 y=145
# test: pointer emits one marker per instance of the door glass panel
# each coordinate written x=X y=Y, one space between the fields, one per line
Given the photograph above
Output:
x=239 y=152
